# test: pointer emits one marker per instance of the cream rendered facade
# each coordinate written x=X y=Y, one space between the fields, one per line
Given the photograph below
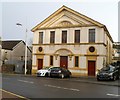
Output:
x=70 y=20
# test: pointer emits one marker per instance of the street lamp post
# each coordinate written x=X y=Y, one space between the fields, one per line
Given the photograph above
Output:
x=25 y=47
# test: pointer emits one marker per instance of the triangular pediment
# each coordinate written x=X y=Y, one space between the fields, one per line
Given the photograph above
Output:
x=66 y=17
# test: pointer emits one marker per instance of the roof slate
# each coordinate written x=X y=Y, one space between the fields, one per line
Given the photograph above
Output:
x=8 y=45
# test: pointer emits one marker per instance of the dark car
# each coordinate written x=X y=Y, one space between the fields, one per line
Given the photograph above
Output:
x=60 y=72
x=117 y=66
x=108 y=73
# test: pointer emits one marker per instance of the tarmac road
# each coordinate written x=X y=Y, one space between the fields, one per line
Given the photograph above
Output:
x=42 y=87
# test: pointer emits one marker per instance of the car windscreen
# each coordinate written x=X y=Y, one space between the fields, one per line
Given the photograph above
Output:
x=108 y=68
x=105 y=69
x=57 y=69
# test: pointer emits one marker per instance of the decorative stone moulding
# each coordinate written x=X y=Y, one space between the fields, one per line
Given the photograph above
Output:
x=91 y=49
x=64 y=23
x=40 y=49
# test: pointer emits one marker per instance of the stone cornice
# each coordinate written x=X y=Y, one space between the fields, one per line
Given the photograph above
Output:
x=70 y=44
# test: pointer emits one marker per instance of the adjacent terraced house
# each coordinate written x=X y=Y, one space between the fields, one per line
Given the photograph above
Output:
x=13 y=53
x=0 y=53
x=71 y=40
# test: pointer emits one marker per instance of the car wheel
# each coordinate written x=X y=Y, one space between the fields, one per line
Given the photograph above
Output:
x=114 y=77
x=51 y=76
x=46 y=75
x=69 y=76
x=98 y=79
x=62 y=76
x=118 y=77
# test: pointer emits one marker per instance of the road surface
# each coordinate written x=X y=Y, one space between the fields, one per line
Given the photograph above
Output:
x=42 y=87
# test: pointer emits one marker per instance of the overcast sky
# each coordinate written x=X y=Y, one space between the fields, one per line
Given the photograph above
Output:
x=30 y=14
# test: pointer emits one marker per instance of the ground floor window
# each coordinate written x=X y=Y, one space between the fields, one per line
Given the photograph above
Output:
x=76 y=61
x=51 y=60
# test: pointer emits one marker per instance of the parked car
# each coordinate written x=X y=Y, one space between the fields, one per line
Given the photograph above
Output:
x=44 y=72
x=59 y=72
x=108 y=73
x=117 y=66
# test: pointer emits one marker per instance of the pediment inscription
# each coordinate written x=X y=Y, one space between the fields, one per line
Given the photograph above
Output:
x=64 y=23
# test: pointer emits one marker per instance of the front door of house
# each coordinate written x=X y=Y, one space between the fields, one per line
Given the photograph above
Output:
x=91 y=68
x=40 y=63
x=64 y=61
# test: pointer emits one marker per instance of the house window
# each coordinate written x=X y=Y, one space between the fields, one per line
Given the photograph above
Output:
x=76 y=61
x=51 y=60
x=77 y=36
x=40 y=37
x=92 y=35
x=64 y=36
x=52 y=36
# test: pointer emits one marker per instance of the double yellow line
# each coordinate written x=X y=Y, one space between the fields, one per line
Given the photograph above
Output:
x=15 y=94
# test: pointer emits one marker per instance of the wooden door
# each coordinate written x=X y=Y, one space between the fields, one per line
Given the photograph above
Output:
x=40 y=64
x=64 y=61
x=91 y=68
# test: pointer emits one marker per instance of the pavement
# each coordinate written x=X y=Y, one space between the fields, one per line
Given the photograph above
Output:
x=5 y=95
x=93 y=80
